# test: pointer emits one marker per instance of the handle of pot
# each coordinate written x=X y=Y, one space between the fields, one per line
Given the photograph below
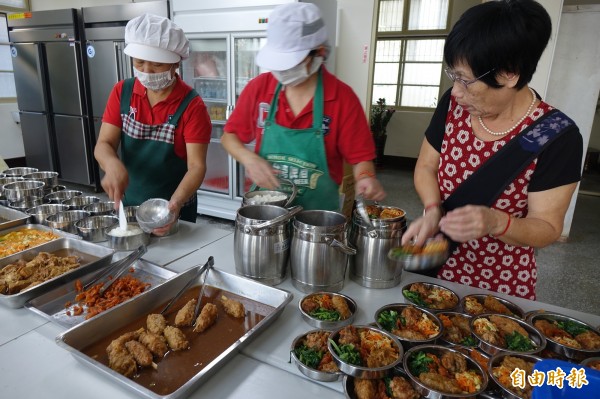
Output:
x=340 y=246
x=283 y=218
x=293 y=194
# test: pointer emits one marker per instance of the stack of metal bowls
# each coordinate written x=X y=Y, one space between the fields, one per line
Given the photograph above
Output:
x=5 y=180
x=18 y=172
x=59 y=196
x=50 y=179
x=24 y=194
x=39 y=213
x=65 y=220
x=80 y=201
x=26 y=203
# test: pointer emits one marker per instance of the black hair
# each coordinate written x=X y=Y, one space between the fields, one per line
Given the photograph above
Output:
x=504 y=35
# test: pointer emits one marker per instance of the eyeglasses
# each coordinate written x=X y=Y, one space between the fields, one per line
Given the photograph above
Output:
x=452 y=75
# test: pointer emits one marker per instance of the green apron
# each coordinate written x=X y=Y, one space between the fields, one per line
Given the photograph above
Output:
x=299 y=154
x=148 y=153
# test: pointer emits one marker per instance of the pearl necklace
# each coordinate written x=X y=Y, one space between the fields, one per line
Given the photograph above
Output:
x=505 y=132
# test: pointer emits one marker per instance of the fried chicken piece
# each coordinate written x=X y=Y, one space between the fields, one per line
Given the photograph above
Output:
x=120 y=341
x=175 y=338
x=412 y=315
x=489 y=332
x=140 y=353
x=155 y=343
x=232 y=307
x=494 y=305
x=409 y=334
x=309 y=305
x=402 y=389
x=317 y=340
x=589 y=340
x=206 y=318
x=454 y=362
x=472 y=306
x=327 y=364
x=508 y=326
x=440 y=383
x=156 y=323
x=120 y=360
x=340 y=304
x=349 y=335
x=185 y=315
x=364 y=389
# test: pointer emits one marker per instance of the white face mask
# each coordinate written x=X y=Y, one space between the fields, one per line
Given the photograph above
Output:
x=298 y=74
x=154 y=81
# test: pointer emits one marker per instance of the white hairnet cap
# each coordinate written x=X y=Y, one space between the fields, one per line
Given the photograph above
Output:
x=157 y=39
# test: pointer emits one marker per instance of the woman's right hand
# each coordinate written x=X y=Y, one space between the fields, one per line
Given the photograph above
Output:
x=261 y=172
x=115 y=181
x=422 y=228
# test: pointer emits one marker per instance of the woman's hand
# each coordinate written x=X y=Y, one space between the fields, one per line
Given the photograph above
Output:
x=174 y=208
x=370 y=188
x=261 y=172
x=471 y=222
x=115 y=181
x=423 y=228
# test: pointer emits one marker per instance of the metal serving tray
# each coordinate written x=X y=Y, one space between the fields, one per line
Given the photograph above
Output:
x=40 y=227
x=86 y=250
x=51 y=305
x=11 y=217
x=85 y=334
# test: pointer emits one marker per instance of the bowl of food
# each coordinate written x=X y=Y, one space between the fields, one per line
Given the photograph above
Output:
x=364 y=351
x=476 y=304
x=501 y=368
x=567 y=336
x=413 y=258
x=20 y=190
x=327 y=310
x=457 y=329
x=395 y=385
x=58 y=197
x=92 y=228
x=411 y=325
x=430 y=296
x=441 y=372
x=39 y=213
x=154 y=213
x=80 y=201
x=310 y=353
x=497 y=333
x=592 y=362
x=127 y=239
x=100 y=208
x=65 y=220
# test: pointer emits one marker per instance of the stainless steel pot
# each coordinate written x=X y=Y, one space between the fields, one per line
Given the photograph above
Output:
x=262 y=242
x=319 y=251
x=371 y=266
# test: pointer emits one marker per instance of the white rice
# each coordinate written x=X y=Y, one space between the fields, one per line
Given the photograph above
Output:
x=128 y=231
x=264 y=198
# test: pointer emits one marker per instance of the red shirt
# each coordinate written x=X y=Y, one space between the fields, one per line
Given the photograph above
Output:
x=194 y=125
x=346 y=129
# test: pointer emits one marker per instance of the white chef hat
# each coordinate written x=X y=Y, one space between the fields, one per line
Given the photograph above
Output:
x=294 y=30
x=157 y=39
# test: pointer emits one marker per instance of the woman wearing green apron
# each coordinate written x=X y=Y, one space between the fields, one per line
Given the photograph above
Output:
x=305 y=121
x=159 y=122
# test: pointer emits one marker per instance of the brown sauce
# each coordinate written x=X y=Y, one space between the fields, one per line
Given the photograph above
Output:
x=178 y=367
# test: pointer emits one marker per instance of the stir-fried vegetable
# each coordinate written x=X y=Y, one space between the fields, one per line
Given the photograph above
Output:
x=325 y=314
x=518 y=342
x=388 y=319
x=347 y=352
x=469 y=341
x=308 y=356
x=419 y=363
x=571 y=327
x=415 y=298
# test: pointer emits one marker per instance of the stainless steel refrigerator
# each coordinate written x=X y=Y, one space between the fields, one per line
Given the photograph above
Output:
x=50 y=83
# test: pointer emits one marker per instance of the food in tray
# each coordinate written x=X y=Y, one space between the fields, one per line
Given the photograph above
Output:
x=384 y=388
x=490 y=304
x=410 y=324
x=312 y=352
x=448 y=373
x=503 y=332
x=569 y=333
x=383 y=212
x=130 y=230
x=365 y=347
x=232 y=307
x=22 y=275
x=437 y=245
x=503 y=372
x=327 y=307
x=430 y=296
x=22 y=239
x=207 y=317
x=457 y=329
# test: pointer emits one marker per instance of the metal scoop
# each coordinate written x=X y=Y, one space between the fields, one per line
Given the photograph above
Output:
x=362 y=210
x=204 y=268
x=122 y=217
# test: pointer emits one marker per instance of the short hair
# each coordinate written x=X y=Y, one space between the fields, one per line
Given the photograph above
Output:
x=503 y=35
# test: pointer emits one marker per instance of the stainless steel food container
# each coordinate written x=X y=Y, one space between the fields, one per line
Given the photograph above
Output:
x=496 y=360
x=314 y=374
x=93 y=257
x=515 y=309
x=408 y=343
x=19 y=190
x=430 y=286
x=50 y=179
x=80 y=201
x=25 y=203
x=251 y=197
x=65 y=220
x=325 y=324
x=100 y=208
x=261 y=243
x=319 y=252
x=92 y=228
x=11 y=217
x=371 y=266
x=444 y=340
x=19 y=171
x=535 y=336
x=58 y=197
x=348 y=381
x=126 y=243
x=5 y=180
x=39 y=213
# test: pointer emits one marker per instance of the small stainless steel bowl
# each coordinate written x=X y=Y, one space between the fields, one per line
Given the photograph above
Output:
x=130 y=212
x=54 y=189
x=59 y=196
x=495 y=361
x=325 y=376
x=535 y=336
x=101 y=208
x=364 y=371
x=92 y=228
x=399 y=307
x=19 y=171
x=154 y=213
x=126 y=243
x=328 y=324
x=25 y=203
x=50 y=179
x=8 y=179
x=419 y=262
x=444 y=339
x=39 y=213
x=65 y=220
x=261 y=197
x=592 y=362
x=438 y=350
x=19 y=190
x=561 y=349
x=80 y=201
x=348 y=382
x=427 y=303
x=516 y=310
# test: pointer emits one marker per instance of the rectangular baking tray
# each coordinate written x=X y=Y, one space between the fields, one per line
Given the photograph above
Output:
x=77 y=247
x=76 y=339
x=41 y=227
x=51 y=305
x=11 y=217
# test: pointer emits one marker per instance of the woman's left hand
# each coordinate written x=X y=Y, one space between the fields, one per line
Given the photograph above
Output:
x=468 y=222
x=174 y=207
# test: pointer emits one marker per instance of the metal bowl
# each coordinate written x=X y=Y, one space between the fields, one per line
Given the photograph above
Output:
x=418 y=262
x=399 y=307
x=480 y=298
x=54 y=189
x=154 y=213
x=25 y=203
x=59 y=196
x=427 y=303
x=65 y=220
x=20 y=171
x=328 y=324
x=448 y=329
x=101 y=208
x=130 y=212
x=491 y=349
x=19 y=190
x=318 y=375
x=439 y=351
x=561 y=349
x=39 y=213
x=363 y=371
x=50 y=179
x=129 y=242
x=92 y=228
x=266 y=197
x=348 y=382
x=592 y=362
x=8 y=179
x=80 y=201
x=495 y=362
